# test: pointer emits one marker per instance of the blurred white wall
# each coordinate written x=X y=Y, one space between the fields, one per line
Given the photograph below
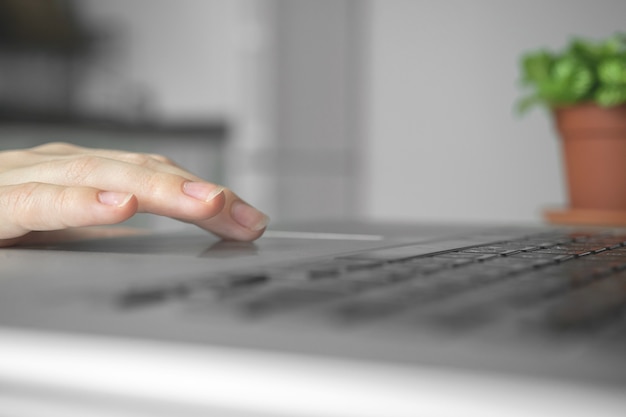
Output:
x=279 y=71
x=442 y=140
x=190 y=61
x=178 y=58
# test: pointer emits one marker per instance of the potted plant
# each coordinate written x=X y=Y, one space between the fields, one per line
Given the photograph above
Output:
x=584 y=87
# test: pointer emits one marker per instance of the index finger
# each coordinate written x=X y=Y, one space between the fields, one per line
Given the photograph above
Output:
x=237 y=220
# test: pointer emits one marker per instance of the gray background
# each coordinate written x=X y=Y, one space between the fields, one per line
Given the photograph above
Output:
x=386 y=109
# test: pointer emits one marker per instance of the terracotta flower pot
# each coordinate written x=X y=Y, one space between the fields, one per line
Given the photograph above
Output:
x=594 y=151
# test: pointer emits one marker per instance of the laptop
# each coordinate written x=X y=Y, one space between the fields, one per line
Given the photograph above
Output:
x=315 y=320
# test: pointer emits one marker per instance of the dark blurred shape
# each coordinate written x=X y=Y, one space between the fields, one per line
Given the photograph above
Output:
x=41 y=25
x=42 y=50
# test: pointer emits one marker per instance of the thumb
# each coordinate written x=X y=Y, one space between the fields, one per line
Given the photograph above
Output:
x=43 y=207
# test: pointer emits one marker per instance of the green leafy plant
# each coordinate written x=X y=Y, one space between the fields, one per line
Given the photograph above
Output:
x=585 y=71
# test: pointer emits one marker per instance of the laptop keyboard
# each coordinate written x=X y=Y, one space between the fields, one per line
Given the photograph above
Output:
x=555 y=281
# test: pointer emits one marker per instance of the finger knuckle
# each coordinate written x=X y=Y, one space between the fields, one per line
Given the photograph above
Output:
x=57 y=146
x=155 y=184
x=62 y=202
x=35 y=206
x=80 y=168
x=14 y=195
x=20 y=199
x=137 y=158
x=162 y=158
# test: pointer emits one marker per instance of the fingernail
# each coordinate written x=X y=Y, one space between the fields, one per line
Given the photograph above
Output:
x=202 y=191
x=112 y=198
x=248 y=217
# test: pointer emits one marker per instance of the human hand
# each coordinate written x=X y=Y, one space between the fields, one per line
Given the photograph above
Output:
x=55 y=187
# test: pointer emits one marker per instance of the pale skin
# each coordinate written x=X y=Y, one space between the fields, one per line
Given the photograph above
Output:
x=56 y=190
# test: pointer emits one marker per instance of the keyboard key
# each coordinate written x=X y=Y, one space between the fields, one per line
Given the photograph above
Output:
x=148 y=296
x=285 y=298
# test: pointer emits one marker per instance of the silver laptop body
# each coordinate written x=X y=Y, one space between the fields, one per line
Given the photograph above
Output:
x=318 y=320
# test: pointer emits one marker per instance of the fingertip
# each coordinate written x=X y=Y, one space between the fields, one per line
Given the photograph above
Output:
x=113 y=198
x=202 y=191
x=234 y=232
x=238 y=221
x=255 y=235
x=46 y=207
x=199 y=211
x=249 y=217
x=120 y=205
